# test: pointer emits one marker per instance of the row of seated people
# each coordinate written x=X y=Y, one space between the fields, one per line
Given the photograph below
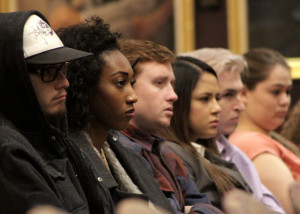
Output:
x=104 y=145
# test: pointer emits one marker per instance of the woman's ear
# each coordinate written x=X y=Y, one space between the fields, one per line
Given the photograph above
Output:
x=244 y=94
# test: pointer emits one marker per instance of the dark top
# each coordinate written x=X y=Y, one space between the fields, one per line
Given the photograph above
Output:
x=168 y=170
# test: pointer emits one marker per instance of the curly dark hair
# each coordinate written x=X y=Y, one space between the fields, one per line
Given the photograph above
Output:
x=92 y=36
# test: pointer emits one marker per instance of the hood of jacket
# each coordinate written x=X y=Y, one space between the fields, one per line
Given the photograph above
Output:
x=19 y=103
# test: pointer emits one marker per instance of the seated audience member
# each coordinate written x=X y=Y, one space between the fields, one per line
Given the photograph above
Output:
x=101 y=98
x=193 y=129
x=228 y=67
x=153 y=111
x=35 y=155
x=266 y=96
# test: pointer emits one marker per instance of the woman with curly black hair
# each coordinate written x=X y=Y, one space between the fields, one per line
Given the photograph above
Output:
x=85 y=76
x=100 y=99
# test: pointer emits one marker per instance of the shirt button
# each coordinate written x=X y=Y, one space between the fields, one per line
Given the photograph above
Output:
x=114 y=138
x=99 y=179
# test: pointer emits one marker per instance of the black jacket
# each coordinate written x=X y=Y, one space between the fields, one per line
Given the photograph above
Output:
x=35 y=165
x=134 y=166
x=31 y=175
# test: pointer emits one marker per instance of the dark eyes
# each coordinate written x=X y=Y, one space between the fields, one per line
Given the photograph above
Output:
x=204 y=99
x=160 y=82
x=277 y=92
x=122 y=83
x=227 y=95
x=163 y=82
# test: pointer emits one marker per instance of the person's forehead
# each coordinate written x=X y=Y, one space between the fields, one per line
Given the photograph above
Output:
x=279 y=73
x=115 y=59
x=230 y=80
x=156 y=69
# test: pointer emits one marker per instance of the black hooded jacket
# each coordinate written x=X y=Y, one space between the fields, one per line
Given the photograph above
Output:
x=34 y=158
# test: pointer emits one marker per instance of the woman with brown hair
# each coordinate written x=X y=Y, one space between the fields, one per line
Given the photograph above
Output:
x=266 y=95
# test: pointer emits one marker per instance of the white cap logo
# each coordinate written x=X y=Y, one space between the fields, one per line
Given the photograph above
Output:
x=38 y=37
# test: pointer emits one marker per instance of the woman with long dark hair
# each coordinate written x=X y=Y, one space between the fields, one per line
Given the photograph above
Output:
x=194 y=128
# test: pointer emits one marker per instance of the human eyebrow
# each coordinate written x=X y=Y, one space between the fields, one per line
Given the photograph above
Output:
x=207 y=93
x=135 y=62
x=229 y=91
x=281 y=85
x=203 y=94
x=120 y=72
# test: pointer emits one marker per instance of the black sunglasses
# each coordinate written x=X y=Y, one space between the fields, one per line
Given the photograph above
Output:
x=48 y=73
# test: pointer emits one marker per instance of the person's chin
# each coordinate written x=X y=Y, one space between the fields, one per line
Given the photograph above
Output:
x=56 y=115
x=165 y=124
x=209 y=135
x=122 y=126
x=231 y=129
x=227 y=131
x=276 y=124
x=213 y=133
x=56 y=110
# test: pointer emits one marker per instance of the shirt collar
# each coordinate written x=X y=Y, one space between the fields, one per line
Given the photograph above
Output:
x=220 y=145
x=199 y=148
x=146 y=141
x=223 y=146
